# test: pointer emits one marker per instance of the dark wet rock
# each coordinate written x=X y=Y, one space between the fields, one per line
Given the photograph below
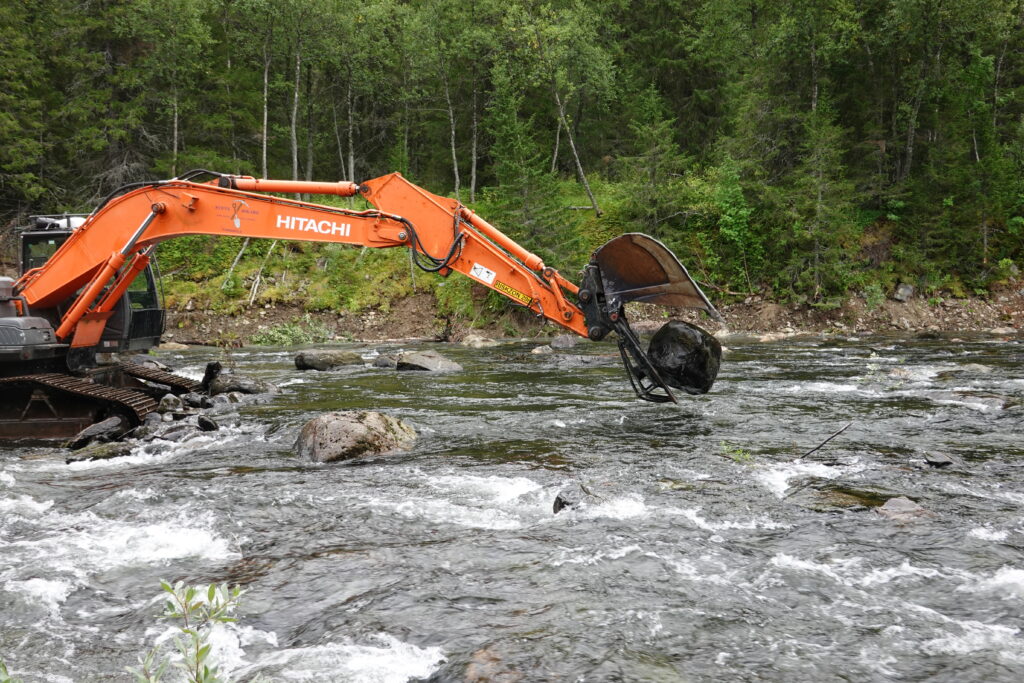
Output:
x=213 y=370
x=564 y=341
x=101 y=451
x=171 y=404
x=352 y=433
x=486 y=666
x=110 y=429
x=229 y=383
x=177 y=433
x=542 y=350
x=475 y=341
x=235 y=396
x=903 y=292
x=219 y=400
x=207 y=424
x=326 y=359
x=902 y=509
x=386 y=361
x=430 y=361
x=196 y=400
x=829 y=496
x=928 y=335
x=686 y=356
x=938 y=460
x=570 y=497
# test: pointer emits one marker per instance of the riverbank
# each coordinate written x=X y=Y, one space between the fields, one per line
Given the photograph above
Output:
x=417 y=317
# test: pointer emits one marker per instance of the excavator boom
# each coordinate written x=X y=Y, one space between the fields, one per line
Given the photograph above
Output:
x=94 y=267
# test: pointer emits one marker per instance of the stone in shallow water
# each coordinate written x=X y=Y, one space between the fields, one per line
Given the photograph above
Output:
x=938 y=460
x=326 y=359
x=110 y=429
x=427 y=360
x=686 y=356
x=349 y=434
x=902 y=509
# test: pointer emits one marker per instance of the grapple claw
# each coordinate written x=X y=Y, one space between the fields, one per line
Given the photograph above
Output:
x=636 y=267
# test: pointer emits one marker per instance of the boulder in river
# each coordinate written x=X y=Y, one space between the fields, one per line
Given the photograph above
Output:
x=110 y=429
x=938 y=460
x=230 y=383
x=542 y=350
x=349 y=434
x=903 y=510
x=326 y=359
x=100 y=451
x=569 y=497
x=171 y=404
x=430 y=361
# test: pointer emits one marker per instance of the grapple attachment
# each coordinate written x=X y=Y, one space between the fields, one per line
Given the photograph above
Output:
x=636 y=267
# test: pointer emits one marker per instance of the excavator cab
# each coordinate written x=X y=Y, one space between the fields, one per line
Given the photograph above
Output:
x=139 y=317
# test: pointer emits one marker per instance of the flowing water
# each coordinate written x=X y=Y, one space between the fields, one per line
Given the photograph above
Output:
x=705 y=547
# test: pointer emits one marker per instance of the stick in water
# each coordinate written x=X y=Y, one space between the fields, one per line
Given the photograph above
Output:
x=826 y=441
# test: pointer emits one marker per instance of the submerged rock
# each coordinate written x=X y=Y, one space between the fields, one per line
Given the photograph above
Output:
x=938 y=460
x=352 y=433
x=386 y=360
x=430 y=361
x=570 y=497
x=542 y=350
x=326 y=359
x=110 y=429
x=100 y=451
x=564 y=341
x=902 y=509
x=686 y=356
x=475 y=341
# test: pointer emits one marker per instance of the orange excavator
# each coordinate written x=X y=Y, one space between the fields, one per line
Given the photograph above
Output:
x=85 y=298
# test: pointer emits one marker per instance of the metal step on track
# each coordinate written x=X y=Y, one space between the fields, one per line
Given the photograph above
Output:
x=177 y=383
x=137 y=404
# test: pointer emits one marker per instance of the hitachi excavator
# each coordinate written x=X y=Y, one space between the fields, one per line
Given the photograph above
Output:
x=87 y=287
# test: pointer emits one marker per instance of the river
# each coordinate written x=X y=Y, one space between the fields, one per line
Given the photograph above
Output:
x=704 y=548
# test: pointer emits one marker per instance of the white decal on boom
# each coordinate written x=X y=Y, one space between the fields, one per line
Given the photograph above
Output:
x=313 y=225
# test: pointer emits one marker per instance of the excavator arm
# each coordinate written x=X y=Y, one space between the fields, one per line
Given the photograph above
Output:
x=96 y=264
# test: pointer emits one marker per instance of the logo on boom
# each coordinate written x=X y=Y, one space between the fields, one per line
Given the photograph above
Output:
x=302 y=224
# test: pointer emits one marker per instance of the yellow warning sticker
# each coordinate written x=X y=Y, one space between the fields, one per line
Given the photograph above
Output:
x=514 y=293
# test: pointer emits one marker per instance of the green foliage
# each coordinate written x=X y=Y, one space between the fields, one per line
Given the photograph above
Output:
x=194 y=609
x=761 y=142
x=873 y=295
x=5 y=676
x=299 y=331
x=735 y=453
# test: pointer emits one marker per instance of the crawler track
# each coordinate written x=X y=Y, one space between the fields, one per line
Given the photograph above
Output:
x=134 y=404
x=177 y=383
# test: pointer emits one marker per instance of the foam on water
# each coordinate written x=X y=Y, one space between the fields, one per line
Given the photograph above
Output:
x=1007 y=582
x=986 y=533
x=762 y=522
x=24 y=506
x=881 y=576
x=384 y=660
x=776 y=477
x=49 y=593
x=6 y=479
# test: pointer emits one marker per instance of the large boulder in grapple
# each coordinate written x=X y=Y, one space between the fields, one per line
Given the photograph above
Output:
x=686 y=356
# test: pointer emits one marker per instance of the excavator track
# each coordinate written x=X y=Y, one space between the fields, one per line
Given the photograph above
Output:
x=177 y=383
x=132 y=404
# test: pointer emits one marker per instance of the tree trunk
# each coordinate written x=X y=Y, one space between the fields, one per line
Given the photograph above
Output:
x=558 y=139
x=451 y=126
x=310 y=89
x=337 y=138
x=295 y=113
x=266 y=103
x=575 y=154
x=351 y=134
x=174 y=145
x=472 y=148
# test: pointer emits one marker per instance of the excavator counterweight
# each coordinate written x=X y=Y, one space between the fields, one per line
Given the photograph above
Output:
x=61 y=310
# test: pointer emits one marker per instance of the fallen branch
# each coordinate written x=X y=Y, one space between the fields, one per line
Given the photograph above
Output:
x=825 y=441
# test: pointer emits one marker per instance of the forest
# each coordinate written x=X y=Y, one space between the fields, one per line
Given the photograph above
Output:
x=805 y=151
